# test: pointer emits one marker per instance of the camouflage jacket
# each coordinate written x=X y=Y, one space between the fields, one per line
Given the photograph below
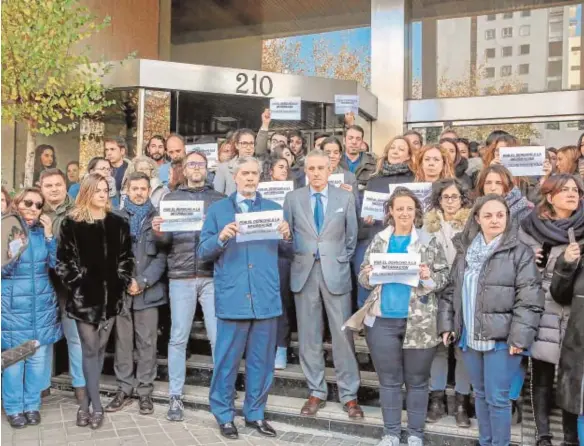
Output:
x=421 y=330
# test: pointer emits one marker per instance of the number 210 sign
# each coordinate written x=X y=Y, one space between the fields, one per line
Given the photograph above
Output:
x=259 y=86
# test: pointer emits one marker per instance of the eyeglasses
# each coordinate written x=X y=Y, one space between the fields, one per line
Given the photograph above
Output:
x=245 y=144
x=449 y=198
x=104 y=169
x=196 y=165
x=30 y=203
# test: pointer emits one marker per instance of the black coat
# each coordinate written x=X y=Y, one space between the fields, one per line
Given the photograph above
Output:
x=181 y=247
x=510 y=298
x=149 y=267
x=95 y=262
x=567 y=288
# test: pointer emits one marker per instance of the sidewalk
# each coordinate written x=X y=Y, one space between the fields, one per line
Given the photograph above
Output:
x=128 y=427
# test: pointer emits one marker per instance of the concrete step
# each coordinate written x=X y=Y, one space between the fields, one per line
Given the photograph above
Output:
x=331 y=418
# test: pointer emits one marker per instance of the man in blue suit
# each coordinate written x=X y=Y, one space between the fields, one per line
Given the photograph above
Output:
x=247 y=301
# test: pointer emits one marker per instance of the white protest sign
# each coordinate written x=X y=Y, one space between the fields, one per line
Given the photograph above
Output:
x=286 y=109
x=346 y=103
x=276 y=190
x=523 y=161
x=210 y=150
x=395 y=268
x=336 y=179
x=180 y=216
x=421 y=190
x=259 y=225
x=373 y=205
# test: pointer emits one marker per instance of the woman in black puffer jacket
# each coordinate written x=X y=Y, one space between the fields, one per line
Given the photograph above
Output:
x=546 y=231
x=492 y=306
x=567 y=288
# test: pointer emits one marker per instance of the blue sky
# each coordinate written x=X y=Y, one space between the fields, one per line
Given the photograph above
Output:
x=356 y=39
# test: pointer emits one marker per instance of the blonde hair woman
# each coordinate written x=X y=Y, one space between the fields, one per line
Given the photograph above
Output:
x=94 y=261
x=149 y=167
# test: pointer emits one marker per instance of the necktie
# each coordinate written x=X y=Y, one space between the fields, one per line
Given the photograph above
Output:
x=318 y=211
x=247 y=205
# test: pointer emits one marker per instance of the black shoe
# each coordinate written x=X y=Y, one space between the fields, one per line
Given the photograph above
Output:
x=33 y=417
x=516 y=412
x=120 y=401
x=262 y=427
x=83 y=418
x=228 y=430
x=460 y=412
x=96 y=420
x=437 y=409
x=17 y=421
x=146 y=405
x=544 y=442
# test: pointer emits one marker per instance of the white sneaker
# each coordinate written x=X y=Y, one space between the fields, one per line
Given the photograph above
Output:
x=415 y=441
x=389 y=440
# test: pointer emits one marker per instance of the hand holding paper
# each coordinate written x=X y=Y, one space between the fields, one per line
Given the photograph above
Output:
x=284 y=229
x=229 y=231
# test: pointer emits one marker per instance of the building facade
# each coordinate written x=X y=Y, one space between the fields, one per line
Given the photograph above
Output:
x=423 y=64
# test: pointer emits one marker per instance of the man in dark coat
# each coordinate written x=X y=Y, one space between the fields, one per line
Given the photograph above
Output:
x=147 y=291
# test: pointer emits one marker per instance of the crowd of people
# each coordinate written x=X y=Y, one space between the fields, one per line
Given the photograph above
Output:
x=500 y=284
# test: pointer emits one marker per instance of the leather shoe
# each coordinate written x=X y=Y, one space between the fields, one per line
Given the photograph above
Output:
x=311 y=406
x=353 y=409
x=228 y=430
x=17 y=421
x=262 y=427
x=33 y=417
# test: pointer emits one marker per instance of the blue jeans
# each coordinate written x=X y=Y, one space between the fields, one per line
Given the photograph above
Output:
x=491 y=374
x=581 y=429
x=257 y=339
x=74 y=349
x=184 y=294
x=439 y=371
x=23 y=382
x=517 y=383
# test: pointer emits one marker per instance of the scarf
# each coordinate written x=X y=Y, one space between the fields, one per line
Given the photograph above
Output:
x=555 y=232
x=479 y=251
x=137 y=215
x=388 y=170
x=519 y=206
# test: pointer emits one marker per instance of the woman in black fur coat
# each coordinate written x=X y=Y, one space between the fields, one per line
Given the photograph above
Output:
x=94 y=260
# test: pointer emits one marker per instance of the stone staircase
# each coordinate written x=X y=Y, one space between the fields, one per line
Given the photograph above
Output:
x=289 y=392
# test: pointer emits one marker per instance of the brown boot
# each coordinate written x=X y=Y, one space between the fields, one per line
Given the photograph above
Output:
x=79 y=394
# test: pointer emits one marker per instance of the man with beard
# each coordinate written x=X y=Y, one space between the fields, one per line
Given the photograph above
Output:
x=175 y=150
x=147 y=291
x=188 y=275
x=57 y=205
x=156 y=149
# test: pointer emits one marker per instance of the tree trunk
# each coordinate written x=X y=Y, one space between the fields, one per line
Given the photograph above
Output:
x=29 y=164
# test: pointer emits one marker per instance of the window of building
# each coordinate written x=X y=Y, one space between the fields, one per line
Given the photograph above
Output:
x=556 y=27
x=507 y=51
x=555 y=49
x=525 y=30
x=524 y=49
x=575 y=68
x=490 y=53
x=491 y=17
x=524 y=68
x=507 y=32
x=526 y=13
x=554 y=68
x=555 y=85
x=490 y=72
x=506 y=70
x=508 y=15
x=575 y=48
x=552 y=126
x=490 y=34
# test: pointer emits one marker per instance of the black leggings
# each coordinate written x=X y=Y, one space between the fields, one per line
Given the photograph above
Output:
x=93 y=341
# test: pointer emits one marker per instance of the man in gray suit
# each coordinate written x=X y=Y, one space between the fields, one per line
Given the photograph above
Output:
x=323 y=221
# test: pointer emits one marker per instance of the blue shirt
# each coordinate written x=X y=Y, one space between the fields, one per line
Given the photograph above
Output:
x=240 y=200
x=352 y=165
x=164 y=173
x=395 y=297
x=323 y=198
